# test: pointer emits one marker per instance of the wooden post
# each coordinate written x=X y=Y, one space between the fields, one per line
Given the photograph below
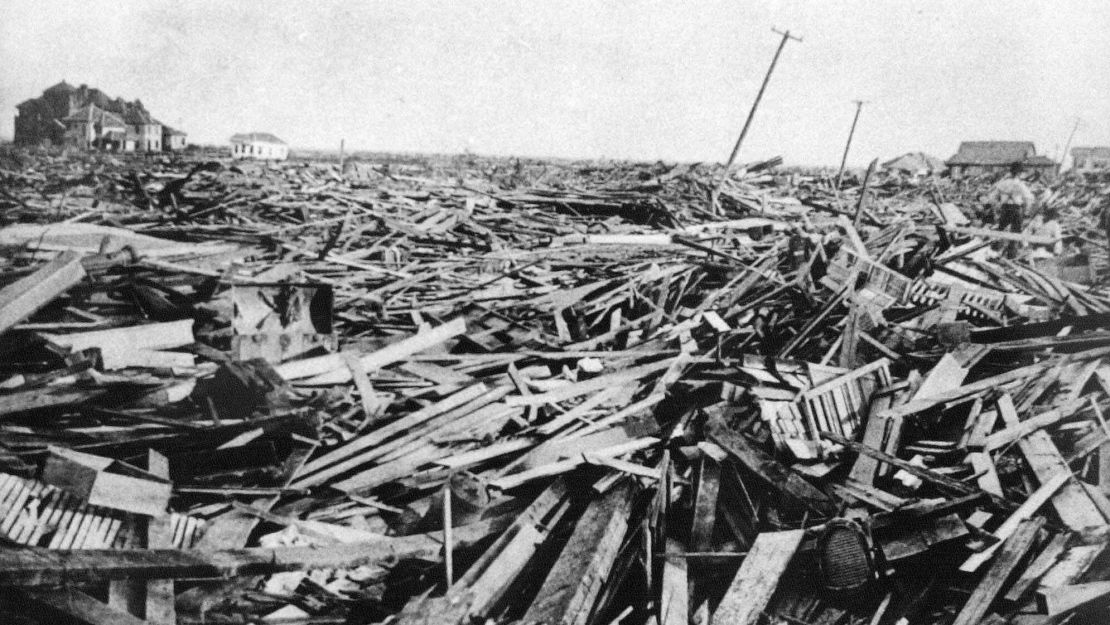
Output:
x=341 y=156
x=448 y=537
x=751 y=114
x=851 y=133
x=863 y=191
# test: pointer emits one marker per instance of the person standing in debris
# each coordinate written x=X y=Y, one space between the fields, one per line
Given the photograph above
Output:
x=1013 y=198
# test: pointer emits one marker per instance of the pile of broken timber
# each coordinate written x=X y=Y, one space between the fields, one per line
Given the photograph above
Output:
x=435 y=390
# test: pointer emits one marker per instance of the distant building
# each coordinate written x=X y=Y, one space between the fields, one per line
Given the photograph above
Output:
x=173 y=140
x=87 y=118
x=984 y=157
x=260 y=146
x=1088 y=159
x=915 y=165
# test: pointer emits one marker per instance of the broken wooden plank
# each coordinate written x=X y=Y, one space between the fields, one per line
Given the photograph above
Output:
x=751 y=590
x=24 y=297
x=568 y=593
x=994 y=580
x=331 y=369
x=1072 y=503
x=28 y=567
x=1057 y=601
x=1024 y=512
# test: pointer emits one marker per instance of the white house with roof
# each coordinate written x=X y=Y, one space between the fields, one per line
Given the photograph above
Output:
x=259 y=146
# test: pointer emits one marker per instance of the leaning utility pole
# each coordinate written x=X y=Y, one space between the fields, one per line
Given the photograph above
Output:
x=1068 y=145
x=851 y=133
x=751 y=114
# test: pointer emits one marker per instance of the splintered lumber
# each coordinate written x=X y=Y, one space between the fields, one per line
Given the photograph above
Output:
x=35 y=566
x=160 y=609
x=914 y=470
x=568 y=593
x=994 y=580
x=571 y=391
x=674 y=599
x=131 y=346
x=945 y=376
x=1024 y=512
x=83 y=607
x=705 y=504
x=1038 y=567
x=751 y=590
x=1002 y=234
x=924 y=403
x=347 y=457
x=24 y=401
x=1056 y=601
x=1072 y=503
x=92 y=478
x=564 y=466
x=24 y=297
x=486 y=582
x=1015 y=431
x=337 y=372
x=767 y=468
x=987 y=474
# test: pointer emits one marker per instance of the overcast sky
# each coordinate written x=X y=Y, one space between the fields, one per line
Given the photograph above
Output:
x=630 y=79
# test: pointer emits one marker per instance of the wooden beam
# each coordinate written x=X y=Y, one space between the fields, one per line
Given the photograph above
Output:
x=674 y=592
x=160 y=595
x=24 y=297
x=1018 y=430
x=131 y=345
x=924 y=403
x=34 y=566
x=1072 y=503
x=1013 y=550
x=1038 y=567
x=705 y=504
x=912 y=469
x=751 y=590
x=777 y=476
x=572 y=586
x=333 y=366
x=1001 y=234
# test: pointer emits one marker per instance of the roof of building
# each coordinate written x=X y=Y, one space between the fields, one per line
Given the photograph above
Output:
x=256 y=137
x=95 y=114
x=62 y=86
x=137 y=115
x=1039 y=161
x=168 y=130
x=993 y=153
x=914 y=162
x=1087 y=151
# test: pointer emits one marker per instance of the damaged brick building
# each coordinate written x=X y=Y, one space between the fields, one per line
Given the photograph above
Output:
x=87 y=118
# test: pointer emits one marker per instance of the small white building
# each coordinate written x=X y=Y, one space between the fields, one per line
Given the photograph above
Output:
x=260 y=146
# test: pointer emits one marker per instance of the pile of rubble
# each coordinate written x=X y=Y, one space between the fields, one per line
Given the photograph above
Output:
x=438 y=390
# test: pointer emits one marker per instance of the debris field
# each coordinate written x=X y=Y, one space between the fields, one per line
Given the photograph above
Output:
x=465 y=389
